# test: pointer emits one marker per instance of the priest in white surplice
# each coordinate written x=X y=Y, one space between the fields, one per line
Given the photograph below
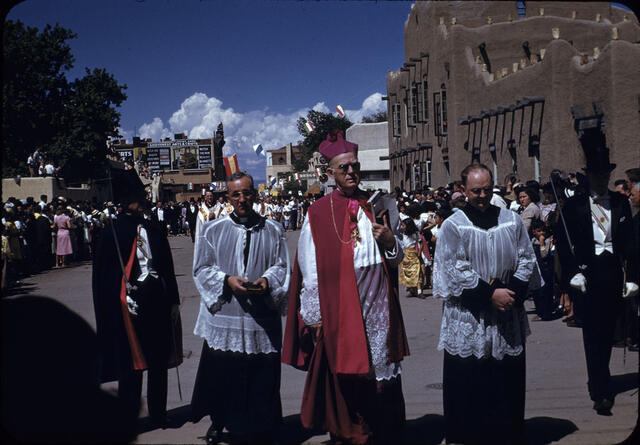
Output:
x=484 y=265
x=241 y=270
x=206 y=211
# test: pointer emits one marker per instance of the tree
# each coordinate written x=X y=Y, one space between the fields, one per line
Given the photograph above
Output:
x=70 y=121
x=323 y=123
x=380 y=116
x=90 y=117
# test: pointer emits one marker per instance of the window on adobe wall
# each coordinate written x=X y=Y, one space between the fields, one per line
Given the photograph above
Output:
x=436 y=114
x=443 y=111
x=415 y=117
x=522 y=9
x=406 y=118
x=425 y=99
x=396 y=119
x=282 y=160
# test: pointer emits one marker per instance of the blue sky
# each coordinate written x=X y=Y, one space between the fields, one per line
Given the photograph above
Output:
x=254 y=65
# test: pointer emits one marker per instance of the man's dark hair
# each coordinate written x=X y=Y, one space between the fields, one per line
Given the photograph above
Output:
x=240 y=175
x=43 y=198
x=473 y=167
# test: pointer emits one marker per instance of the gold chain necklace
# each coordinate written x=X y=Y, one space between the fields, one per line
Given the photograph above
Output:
x=355 y=235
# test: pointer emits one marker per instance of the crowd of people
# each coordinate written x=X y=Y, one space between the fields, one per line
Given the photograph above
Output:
x=51 y=234
x=571 y=245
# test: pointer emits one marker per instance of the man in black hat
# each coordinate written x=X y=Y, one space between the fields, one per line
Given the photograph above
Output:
x=138 y=327
x=599 y=244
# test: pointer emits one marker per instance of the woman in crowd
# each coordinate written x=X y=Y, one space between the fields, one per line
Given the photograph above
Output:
x=527 y=197
x=63 y=246
x=412 y=270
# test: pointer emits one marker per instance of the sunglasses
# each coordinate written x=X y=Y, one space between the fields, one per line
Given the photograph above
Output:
x=344 y=168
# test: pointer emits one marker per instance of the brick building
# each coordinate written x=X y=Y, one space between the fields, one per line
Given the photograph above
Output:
x=497 y=82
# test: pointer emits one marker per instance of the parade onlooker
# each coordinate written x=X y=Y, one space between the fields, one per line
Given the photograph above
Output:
x=529 y=210
x=63 y=245
x=543 y=247
x=412 y=269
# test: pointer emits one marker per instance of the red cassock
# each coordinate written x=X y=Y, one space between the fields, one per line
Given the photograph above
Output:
x=338 y=365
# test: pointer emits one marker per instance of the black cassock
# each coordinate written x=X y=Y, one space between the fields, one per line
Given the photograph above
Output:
x=159 y=338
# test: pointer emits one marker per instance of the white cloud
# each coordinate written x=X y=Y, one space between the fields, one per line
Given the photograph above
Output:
x=154 y=130
x=199 y=116
x=372 y=104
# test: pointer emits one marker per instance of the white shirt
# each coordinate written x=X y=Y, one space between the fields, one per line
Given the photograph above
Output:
x=143 y=253
x=49 y=169
x=603 y=240
x=160 y=214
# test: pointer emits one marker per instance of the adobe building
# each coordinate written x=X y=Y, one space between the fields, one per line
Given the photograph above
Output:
x=501 y=82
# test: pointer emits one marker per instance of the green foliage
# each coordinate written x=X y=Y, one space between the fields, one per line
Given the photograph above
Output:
x=323 y=123
x=380 y=116
x=41 y=108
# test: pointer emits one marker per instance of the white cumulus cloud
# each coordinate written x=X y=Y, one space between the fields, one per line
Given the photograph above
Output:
x=154 y=130
x=199 y=115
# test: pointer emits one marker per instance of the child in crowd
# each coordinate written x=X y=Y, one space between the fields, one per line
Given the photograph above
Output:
x=543 y=247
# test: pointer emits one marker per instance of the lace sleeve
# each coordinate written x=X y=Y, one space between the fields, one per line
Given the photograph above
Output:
x=452 y=271
x=309 y=297
x=207 y=276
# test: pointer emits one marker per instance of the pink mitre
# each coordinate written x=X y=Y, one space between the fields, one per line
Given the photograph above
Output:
x=335 y=145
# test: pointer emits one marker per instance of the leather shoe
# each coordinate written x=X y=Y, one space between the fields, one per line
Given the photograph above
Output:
x=603 y=407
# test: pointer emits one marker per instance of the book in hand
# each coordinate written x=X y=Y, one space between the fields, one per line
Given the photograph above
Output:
x=385 y=209
x=252 y=287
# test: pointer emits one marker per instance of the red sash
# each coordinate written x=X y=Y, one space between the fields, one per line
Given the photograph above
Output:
x=137 y=357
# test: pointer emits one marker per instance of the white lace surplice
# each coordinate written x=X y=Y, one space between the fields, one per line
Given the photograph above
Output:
x=248 y=325
x=466 y=253
x=372 y=289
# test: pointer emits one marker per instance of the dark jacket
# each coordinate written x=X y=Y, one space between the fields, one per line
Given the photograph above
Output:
x=577 y=214
x=107 y=278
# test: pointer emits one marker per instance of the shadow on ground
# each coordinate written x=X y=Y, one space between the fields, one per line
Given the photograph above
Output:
x=292 y=432
x=425 y=430
x=544 y=430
